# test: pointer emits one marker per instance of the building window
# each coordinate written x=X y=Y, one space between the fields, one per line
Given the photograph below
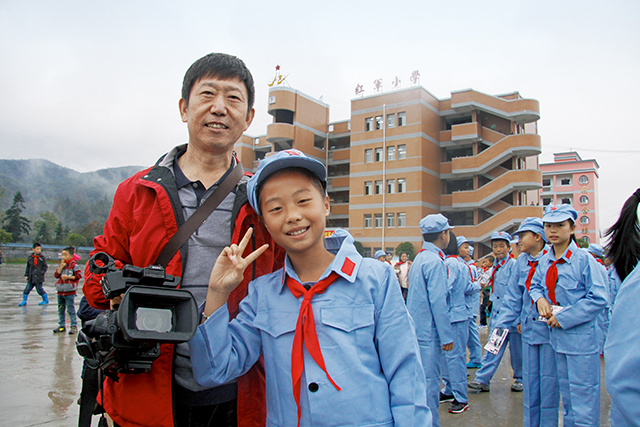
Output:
x=368 y=155
x=566 y=200
x=402 y=219
x=565 y=181
x=584 y=200
x=391 y=153
x=391 y=120
x=368 y=188
x=402 y=185
x=377 y=220
x=584 y=179
x=402 y=118
x=368 y=124
x=546 y=182
x=379 y=122
x=367 y=253
x=379 y=154
x=402 y=152
x=378 y=187
x=391 y=186
x=546 y=201
x=367 y=221
x=391 y=219
x=584 y=220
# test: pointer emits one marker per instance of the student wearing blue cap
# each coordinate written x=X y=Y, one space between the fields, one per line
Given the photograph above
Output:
x=622 y=350
x=345 y=310
x=453 y=364
x=380 y=256
x=541 y=398
x=499 y=282
x=427 y=304
x=570 y=292
x=473 y=341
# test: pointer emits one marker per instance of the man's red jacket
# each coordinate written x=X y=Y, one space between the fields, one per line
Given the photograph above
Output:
x=144 y=216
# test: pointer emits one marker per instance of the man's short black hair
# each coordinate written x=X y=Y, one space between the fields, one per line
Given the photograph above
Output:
x=35 y=245
x=222 y=66
x=452 y=248
x=70 y=250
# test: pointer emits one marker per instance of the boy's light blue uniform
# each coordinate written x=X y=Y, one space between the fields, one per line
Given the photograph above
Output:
x=473 y=304
x=622 y=353
x=366 y=336
x=454 y=362
x=541 y=398
x=583 y=294
x=490 y=361
x=427 y=304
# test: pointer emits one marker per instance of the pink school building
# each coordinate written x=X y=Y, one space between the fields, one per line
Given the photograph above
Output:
x=569 y=179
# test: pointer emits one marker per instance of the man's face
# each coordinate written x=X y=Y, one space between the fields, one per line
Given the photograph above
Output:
x=217 y=114
x=66 y=256
x=37 y=250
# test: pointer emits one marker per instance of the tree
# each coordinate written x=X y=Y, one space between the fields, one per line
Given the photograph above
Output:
x=408 y=248
x=14 y=222
x=92 y=230
x=61 y=233
x=75 y=240
x=46 y=228
x=582 y=243
x=5 y=237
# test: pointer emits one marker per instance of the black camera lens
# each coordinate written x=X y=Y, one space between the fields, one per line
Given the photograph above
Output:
x=154 y=319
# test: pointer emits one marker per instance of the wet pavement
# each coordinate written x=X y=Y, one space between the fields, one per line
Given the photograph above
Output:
x=40 y=372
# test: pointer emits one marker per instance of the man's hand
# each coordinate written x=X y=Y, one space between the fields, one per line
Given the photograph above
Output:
x=519 y=328
x=26 y=279
x=228 y=272
x=448 y=347
x=544 y=308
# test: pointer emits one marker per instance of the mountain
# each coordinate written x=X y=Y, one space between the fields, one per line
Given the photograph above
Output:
x=77 y=199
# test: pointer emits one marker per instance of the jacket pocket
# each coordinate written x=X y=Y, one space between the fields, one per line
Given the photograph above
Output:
x=276 y=323
x=348 y=318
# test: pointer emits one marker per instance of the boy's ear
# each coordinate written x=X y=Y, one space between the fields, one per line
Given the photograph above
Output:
x=327 y=206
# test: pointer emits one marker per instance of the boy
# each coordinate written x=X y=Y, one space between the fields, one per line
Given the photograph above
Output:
x=427 y=304
x=473 y=341
x=380 y=256
x=541 y=398
x=34 y=275
x=361 y=365
x=499 y=282
x=68 y=275
x=484 y=274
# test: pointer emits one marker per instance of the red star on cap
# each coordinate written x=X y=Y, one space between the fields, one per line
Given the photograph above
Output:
x=292 y=152
x=553 y=208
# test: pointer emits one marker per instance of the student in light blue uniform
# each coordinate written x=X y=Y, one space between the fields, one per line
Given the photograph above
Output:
x=622 y=350
x=339 y=346
x=602 y=322
x=427 y=304
x=502 y=268
x=541 y=397
x=569 y=277
x=473 y=303
x=454 y=362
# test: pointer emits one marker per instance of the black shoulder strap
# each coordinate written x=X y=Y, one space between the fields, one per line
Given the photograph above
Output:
x=200 y=215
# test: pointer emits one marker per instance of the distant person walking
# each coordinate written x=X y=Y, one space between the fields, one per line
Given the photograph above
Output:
x=68 y=275
x=34 y=275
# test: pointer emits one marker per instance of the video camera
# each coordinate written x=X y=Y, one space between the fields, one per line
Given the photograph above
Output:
x=152 y=311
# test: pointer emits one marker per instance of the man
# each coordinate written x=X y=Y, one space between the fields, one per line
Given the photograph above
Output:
x=217 y=106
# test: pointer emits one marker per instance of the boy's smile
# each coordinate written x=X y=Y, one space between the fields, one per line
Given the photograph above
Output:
x=294 y=212
x=500 y=248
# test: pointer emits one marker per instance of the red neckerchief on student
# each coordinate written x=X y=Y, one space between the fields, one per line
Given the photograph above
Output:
x=306 y=333
x=495 y=269
x=532 y=270
x=35 y=260
x=600 y=261
x=552 y=277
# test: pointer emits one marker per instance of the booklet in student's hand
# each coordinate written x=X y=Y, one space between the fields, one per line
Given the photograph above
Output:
x=498 y=335
x=555 y=309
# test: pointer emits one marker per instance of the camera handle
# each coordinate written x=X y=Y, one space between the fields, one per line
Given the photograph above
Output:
x=200 y=215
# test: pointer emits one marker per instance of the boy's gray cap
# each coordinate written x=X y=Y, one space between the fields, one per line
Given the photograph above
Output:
x=281 y=160
x=379 y=254
x=434 y=223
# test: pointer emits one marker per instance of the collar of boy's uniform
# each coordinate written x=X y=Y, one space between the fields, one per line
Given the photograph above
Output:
x=344 y=265
x=430 y=246
x=568 y=253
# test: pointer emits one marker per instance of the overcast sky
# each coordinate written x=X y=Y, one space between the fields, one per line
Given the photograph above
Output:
x=92 y=85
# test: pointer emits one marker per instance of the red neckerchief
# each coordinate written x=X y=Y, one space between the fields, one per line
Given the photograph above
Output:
x=600 y=261
x=532 y=271
x=552 y=277
x=495 y=268
x=306 y=333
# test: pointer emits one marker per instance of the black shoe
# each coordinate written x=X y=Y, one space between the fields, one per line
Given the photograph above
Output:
x=59 y=330
x=474 y=385
x=73 y=331
x=458 y=407
x=446 y=398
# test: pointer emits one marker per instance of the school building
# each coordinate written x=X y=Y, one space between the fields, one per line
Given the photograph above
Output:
x=405 y=154
x=572 y=180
